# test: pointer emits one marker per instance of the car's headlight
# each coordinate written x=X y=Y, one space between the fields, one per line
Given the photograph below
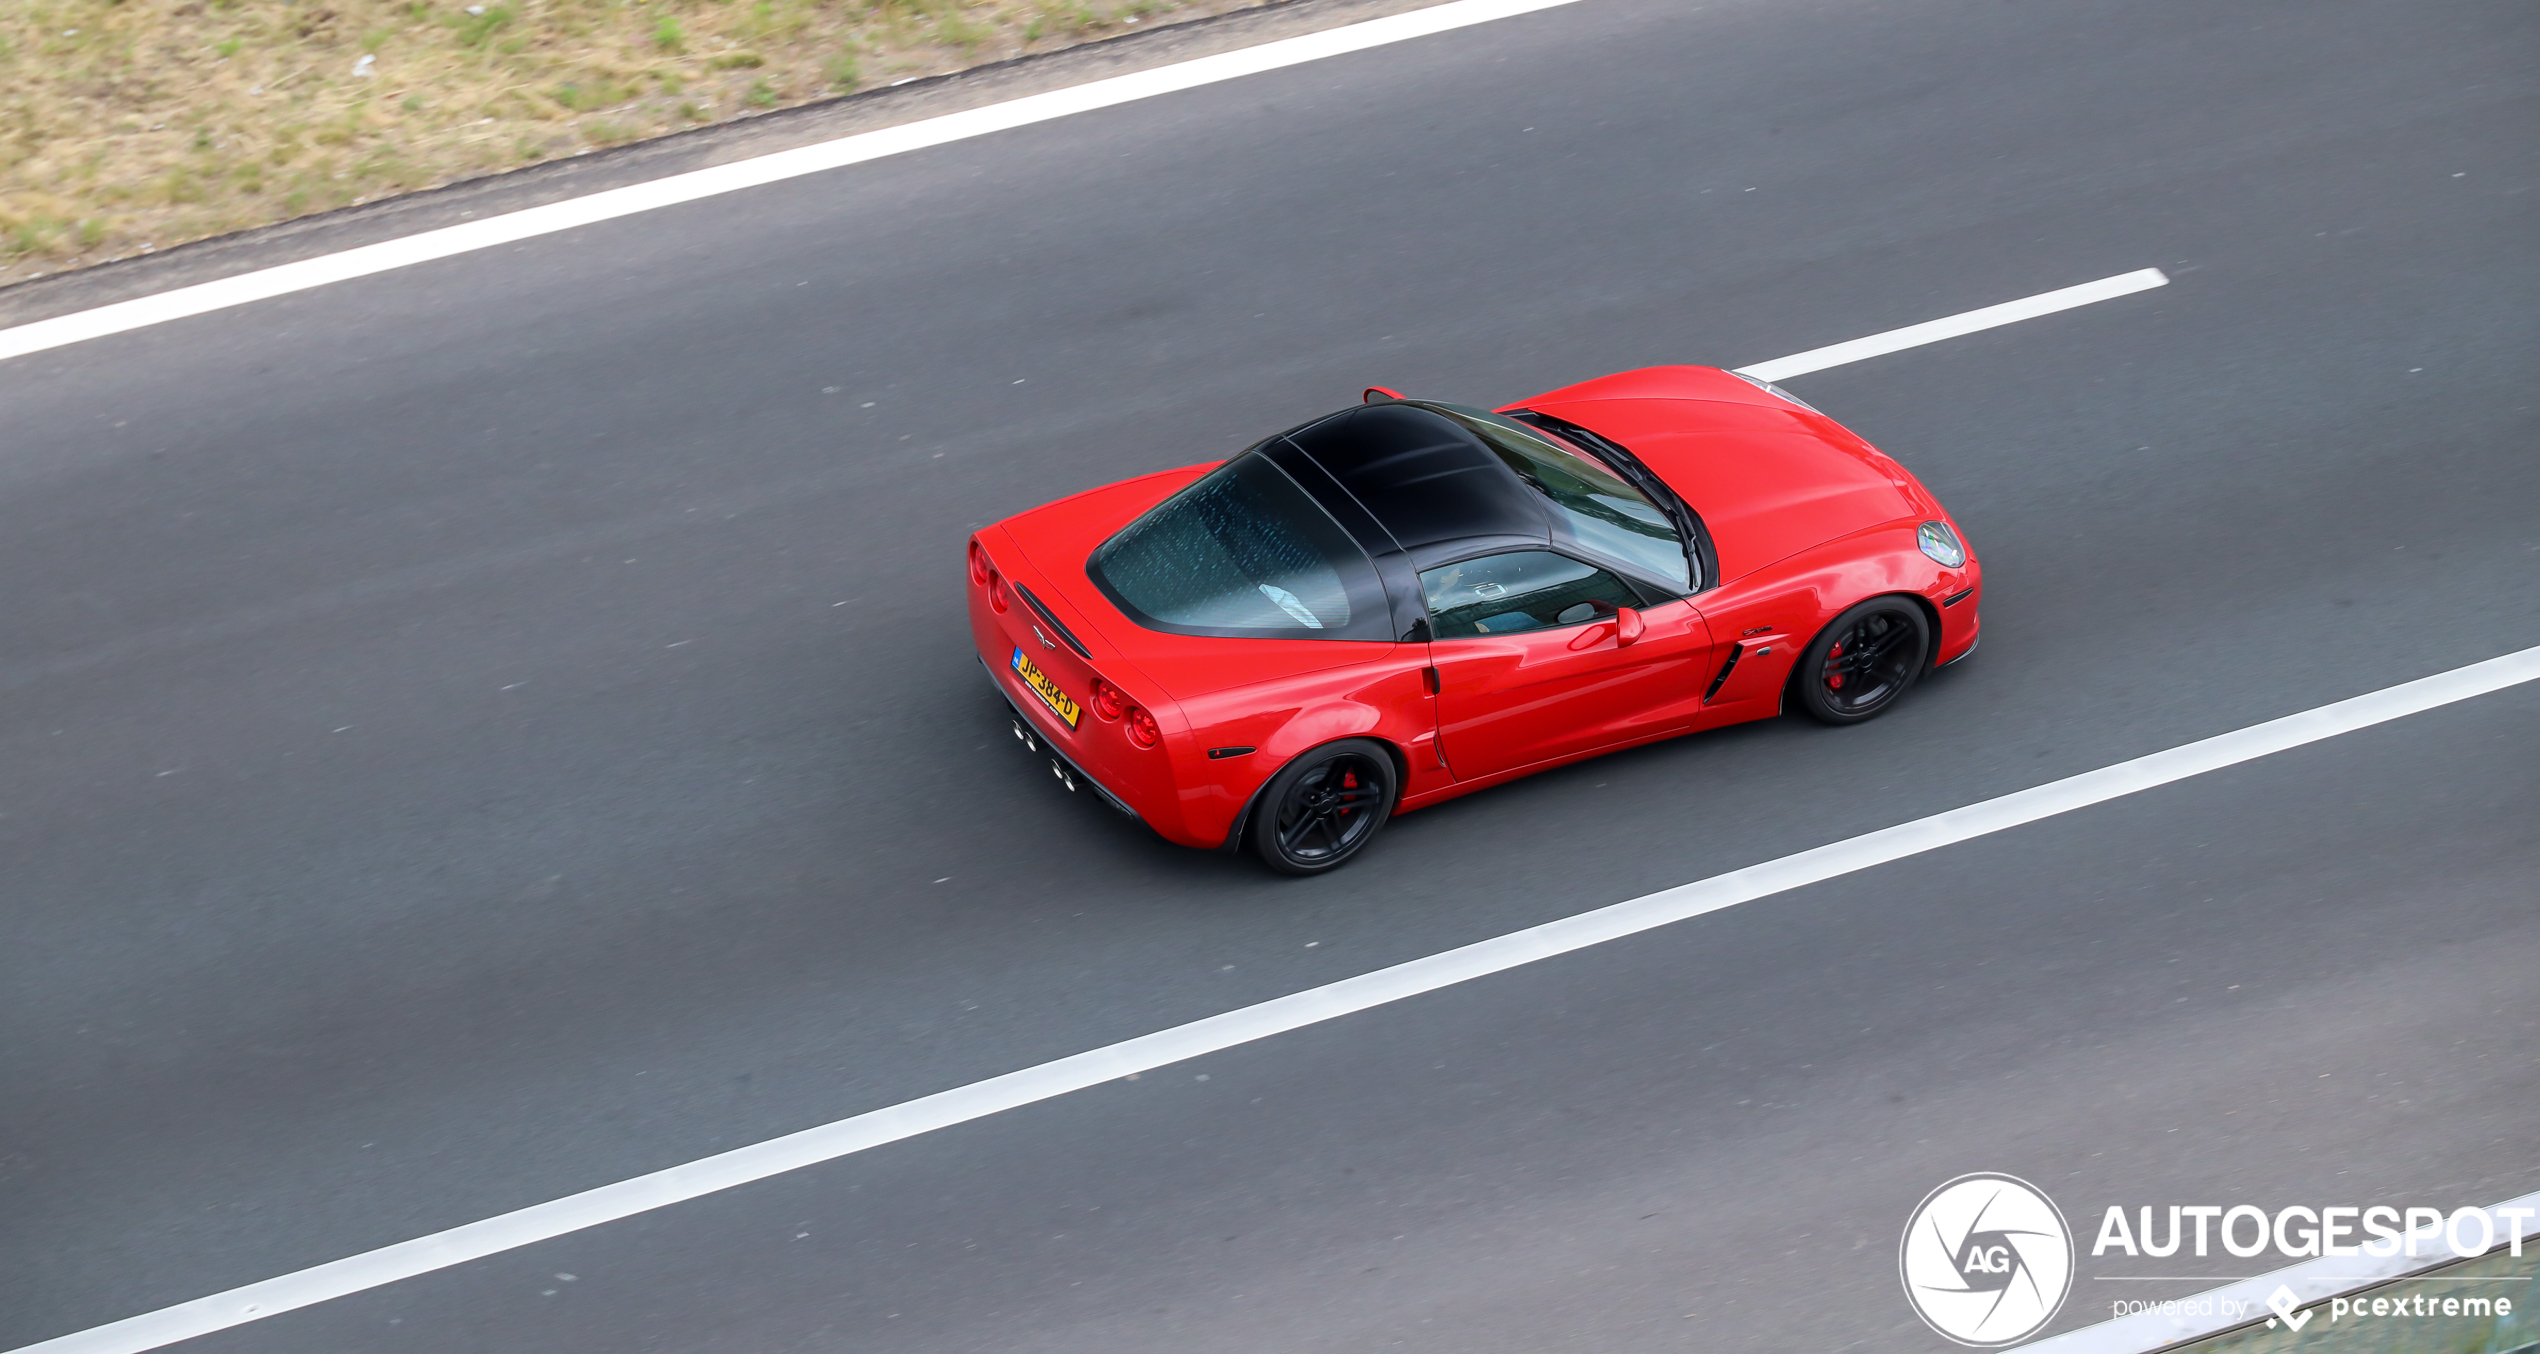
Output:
x=1771 y=389
x=1942 y=544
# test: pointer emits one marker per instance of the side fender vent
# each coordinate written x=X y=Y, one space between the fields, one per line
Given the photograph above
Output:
x=1736 y=651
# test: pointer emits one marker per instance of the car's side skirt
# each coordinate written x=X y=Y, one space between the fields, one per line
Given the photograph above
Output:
x=1710 y=720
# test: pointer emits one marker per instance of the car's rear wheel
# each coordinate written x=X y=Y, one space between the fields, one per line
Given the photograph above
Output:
x=1858 y=666
x=1322 y=809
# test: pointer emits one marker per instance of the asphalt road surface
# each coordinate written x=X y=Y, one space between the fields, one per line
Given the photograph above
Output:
x=494 y=728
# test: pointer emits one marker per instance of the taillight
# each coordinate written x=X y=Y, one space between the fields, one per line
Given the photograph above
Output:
x=997 y=596
x=1109 y=701
x=978 y=565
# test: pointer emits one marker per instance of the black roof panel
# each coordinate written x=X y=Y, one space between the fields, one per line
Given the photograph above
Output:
x=1426 y=480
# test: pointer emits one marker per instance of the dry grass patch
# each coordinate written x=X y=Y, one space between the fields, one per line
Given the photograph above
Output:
x=127 y=125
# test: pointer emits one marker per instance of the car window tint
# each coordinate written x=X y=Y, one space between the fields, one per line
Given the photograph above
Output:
x=1520 y=590
x=1243 y=550
x=1604 y=514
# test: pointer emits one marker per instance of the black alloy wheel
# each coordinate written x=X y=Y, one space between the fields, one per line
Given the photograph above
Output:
x=1324 y=807
x=1861 y=663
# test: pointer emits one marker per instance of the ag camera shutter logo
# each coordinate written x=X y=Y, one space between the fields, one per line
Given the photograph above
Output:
x=1987 y=1260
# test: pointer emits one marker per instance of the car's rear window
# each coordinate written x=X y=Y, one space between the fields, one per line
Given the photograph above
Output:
x=1242 y=551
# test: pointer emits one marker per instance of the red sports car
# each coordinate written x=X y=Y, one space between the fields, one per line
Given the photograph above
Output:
x=1408 y=601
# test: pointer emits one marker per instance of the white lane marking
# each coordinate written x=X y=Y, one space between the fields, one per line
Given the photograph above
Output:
x=643 y=197
x=1947 y=327
x=2312 y=1281
x=828 y=1142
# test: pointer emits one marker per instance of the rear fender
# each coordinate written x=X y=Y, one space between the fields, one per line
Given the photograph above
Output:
x=1243 y=817
x=1388 y=703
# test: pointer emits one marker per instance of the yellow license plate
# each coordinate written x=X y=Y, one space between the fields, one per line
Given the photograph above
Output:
x=1060 y=703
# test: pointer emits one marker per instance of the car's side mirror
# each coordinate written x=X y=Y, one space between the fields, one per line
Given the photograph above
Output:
x=1627 y=625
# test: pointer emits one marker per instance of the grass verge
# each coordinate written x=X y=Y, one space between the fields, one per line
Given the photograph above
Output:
x=128 y=126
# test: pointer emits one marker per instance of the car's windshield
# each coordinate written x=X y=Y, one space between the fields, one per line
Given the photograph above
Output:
x=1603 y=513
x=1243 y=550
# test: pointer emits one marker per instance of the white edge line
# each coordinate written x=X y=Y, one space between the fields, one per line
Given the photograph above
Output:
x=221 y=293
x=1949 y=326
x=2312 y=1281
x=743 y=1165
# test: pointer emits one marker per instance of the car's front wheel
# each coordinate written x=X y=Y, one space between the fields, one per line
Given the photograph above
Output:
x=1323 y=808
x=1859 y=665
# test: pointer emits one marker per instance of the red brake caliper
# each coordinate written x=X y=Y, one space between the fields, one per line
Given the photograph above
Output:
x=1349 y=781
x=1834 y=682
